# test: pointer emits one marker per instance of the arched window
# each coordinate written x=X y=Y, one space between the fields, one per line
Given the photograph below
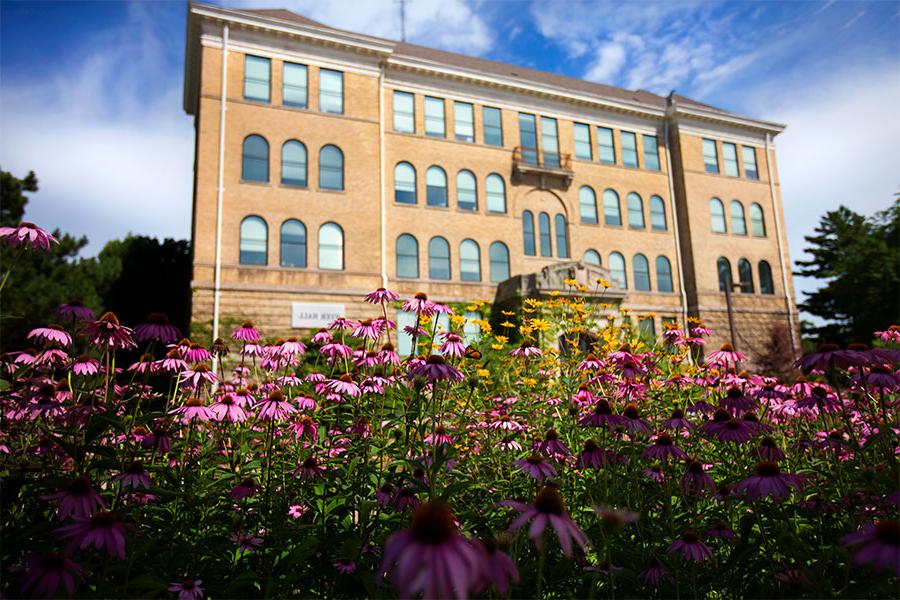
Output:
x=255 y=159
x=438 y=258
x=745 y=274
x=738 y=224
x=528 y=232
x=766 y=286
x=496 y=194
x=499 y=257
x=592 y=257
x=293 y=163
x=617 y=269
x=641 y=267
x=757 y=221
x=466 y=191
x=331 y=247
x=404 y=183
x=407 y=257
x=588 y=202
x=254 y=241
x=717 y=215
x=657 y=214
x=723 y=266
x=469 y=261
x=331 y=168
x=293 y=244
x=635 y=211
x=611 y=213
x=544 y=234
x=663 y=274
x=562 y=236
x=436 y=187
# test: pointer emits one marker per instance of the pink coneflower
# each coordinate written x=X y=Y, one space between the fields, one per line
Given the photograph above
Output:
x=323 y=336
x=274 y=408
x=439 y=437
x=655 y=474
x=695 y=480
x=690 y=547
x=367 y=330
x=101 y=530
x=295 y=511
x=769 y=481
x=677 y=421
x=145 y=365
x=226 y=409
x=157 y=328
x=309 y=469
x=381 y=296
x=726 y=428
x=344 y=385
x=134 y=476
x=595 y=457
x=245 y=333
x=27 y=235
x=341 y=323
x=768 y=450
x=536 y=467
x=246 y=488
x=506 y=423
x=291 y=347
x=601 y=416
x=725 y=356
x=172 y=363
x=591 y=363
x=336 y=350
x=548 y=509
x=367 y=359
x=406 y=498
x=52 y=333
x=879 y=545
x=45 y=572
x=631 y=419
x=891 y=334
x=84 y=365
x=192 y=408
x=525 y=350
x=655 y=573
x=552 y=446
x=388 y=355
x=496 y=568
x=198 y=375
x=77 y=500
x=663 y=448
x=436 y=369
x=305 y=403
x=508 y=443
x=344 y=567
x=385 y=494
x=431 y=556
x=76 y=310
x=244 y=398
x=245 y=543
x=305 y=427
x=820 y=398
x=106 y=333
x=189 y=589
x=197 y=353
x=453 y=345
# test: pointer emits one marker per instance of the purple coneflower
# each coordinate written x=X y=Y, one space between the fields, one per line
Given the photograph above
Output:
x=134 y=476
x=435 y=368
x=602 y=415
x=677 y=421
x=45 y=572
x=189 y=589
x=726 y=355
x=720 y=530
x=439 y=437
x=100 y=530
x=226 y=409
x=695 y=480
x=77 y=500
x=631 y=419
x=157 y=328
x=246 y=488
x=192 y=408
x=27 y=235
x=663 y=448
x=84 y=365
x=295 y=511
x=274 y=408
x=496 y=567
x=345 y=567
x=737 y=402
x=309 y=469
x=366 y=329
x=52 y=333
x=552 y=446
x=768 y=450
x=613 y=520
x=419 y=304
x=690 y=547
x=536 y=467
x=431 y=556
x=76 y=310
x=769 y=481
x=827 y=356
x=245 y=543
x=305 y=427
x=596 y=457
x=197 y=353
x=453 y=345
x=526 y=349
x=879 y=545
x=381 y=296
x=548 y=509
x=198 y=375
x=654 y=573
x=245 y=333
x=591 y=363
x=106 y=333
x=344 y=385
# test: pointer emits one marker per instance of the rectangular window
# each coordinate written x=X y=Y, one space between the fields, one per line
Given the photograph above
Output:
x=256 y=78
x=550 y=142
x=583 y=142
x=293 y=91
x=404 y=112
x=404 y=340
x=471 y=330
x=629 y=149
x=435 y=122
x=651 y=153
x=331 y=91
x=749 y=155
x=464 y=121
x=493 y=126
x=729 y=156
x=528 y=138
x=710 y=156
x=646 y=327
x=605 y=144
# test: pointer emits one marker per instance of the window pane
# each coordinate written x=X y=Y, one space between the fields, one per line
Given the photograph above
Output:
x=466 y=194
x=469 y=261
x=562 y=235
x=663 y=274
x=588 y=203
x=434 y=117
x=629 y=149
x=757 y=221
x=464 y=121
x=254 y=241
x=255 y=159
x=592 y=257
x=657 y=214
x=499 y=256
x=749 y=155
x=605 y=144
x=717 y=215
x=331 y=91
x=738 y=225
x=635 y=211
x=528 y=138
x=294 y=89
x=710 y=156
x=438 y=258
x=611 y=213
x=331 y=168
x=293 y=163
x=651 y=153
x=617 y=269
x=404 y=340
x=583 y=141
x=729 y=155
x=496 y=194
x=256 y=78
x=407 y=257
x=331 y=247
x=404 y=184
x=550 y=142
x=436 y=187
x=471 y=329
x=723 y=266
x=745 y=273
x=766 y=285
x=641 y=273
x=528 y=232
x=646 y=327
x=293 y=244
x=404 y=112
x=544 y=231
x=493 y=126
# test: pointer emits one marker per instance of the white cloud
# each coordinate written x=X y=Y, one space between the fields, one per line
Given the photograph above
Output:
x=610 y=58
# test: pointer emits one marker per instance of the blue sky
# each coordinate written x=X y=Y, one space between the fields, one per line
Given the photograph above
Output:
x=90 y=92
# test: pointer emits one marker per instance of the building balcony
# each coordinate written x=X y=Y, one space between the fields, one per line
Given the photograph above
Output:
x=548 y=168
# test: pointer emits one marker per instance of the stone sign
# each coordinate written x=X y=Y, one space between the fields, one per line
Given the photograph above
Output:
x=307 y=315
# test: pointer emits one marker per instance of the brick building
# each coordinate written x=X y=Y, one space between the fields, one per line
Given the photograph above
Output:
x=329 y=163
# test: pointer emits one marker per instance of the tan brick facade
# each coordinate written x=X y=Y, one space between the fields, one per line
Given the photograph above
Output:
x=371 y=220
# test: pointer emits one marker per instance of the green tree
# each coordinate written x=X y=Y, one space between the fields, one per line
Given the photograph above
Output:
x=858 y=260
